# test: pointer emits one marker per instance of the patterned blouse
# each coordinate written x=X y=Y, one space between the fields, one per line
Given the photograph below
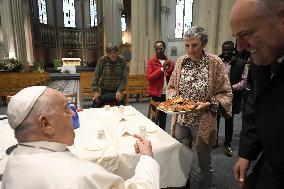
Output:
x=193 y=85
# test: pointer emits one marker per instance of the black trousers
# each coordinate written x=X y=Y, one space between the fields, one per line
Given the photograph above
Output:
x=107 y=98
x=229 y=127
x=162 y=115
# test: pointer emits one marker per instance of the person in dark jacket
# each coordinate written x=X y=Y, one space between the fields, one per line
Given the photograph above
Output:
x=258 y=26
x=237 y=72
x=158 y=73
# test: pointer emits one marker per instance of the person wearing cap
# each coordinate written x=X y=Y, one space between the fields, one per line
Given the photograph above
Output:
x=42 y=122
x=110 y=78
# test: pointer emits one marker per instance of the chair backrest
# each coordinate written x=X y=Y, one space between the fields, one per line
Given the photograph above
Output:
x=153 y=112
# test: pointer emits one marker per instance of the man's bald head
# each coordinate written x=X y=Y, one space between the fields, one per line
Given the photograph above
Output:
x=258 y=26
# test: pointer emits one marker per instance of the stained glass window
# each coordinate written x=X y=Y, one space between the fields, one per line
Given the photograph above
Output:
x=69 y=13
x=42 y=11
x=93 y=13
x=123 y=23
x=183 y=16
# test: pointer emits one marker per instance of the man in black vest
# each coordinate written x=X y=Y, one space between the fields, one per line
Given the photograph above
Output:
x=237 y=72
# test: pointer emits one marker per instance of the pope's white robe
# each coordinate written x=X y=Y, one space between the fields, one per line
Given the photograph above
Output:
x=54 y=167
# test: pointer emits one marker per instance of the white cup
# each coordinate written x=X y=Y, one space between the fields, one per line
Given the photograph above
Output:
x=142 y=130
x=121 y=109
x=101 y=134
x=107 y=107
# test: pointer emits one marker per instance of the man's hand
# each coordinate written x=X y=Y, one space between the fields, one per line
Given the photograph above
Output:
x=240 y=170
x=96 y=96
x=202 y=105
x=118 y=96
x=143 y=146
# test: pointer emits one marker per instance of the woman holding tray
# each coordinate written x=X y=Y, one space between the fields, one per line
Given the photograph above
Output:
x=201 y=77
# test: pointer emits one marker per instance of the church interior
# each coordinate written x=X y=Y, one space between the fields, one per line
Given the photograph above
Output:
x=59 y=42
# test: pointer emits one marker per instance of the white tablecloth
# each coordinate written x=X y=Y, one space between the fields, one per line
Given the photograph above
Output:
x=116 y=151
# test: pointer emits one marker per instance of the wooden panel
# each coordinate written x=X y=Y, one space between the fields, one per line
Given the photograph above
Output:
x=86 y=90
x=136 y=85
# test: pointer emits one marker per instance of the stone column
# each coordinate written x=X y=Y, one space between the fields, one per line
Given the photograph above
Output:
x=207 y=18
x=165 y=10
x=145 y=25
x=13 y=29
x=224 y=32
x=28 y=33
x=214 y=17
x=112 y=21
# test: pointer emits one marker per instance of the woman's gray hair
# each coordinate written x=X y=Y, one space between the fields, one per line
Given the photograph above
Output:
x=197 y=31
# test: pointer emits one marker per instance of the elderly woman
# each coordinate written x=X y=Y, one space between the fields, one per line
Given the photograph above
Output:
x=200 y=76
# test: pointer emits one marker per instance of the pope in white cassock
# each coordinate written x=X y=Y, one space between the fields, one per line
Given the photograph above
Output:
x=42 y=121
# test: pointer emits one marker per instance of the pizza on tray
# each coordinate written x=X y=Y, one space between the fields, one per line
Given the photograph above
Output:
x=178 y=104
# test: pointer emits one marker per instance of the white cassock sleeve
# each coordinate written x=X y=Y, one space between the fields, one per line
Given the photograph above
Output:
x=64 y=170
x=147 y=175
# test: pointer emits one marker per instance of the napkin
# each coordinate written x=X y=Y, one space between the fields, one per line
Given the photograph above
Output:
x=122 y=119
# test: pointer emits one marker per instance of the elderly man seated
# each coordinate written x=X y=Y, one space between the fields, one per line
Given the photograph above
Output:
x=42 y=121
x=110 y=78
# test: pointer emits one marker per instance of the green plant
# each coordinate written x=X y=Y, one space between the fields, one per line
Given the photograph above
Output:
x=11 y=65
x=57 y=63
x=66 y=72
x=38 y=67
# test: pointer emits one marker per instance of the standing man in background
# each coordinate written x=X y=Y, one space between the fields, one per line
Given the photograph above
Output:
x=237 y=72
x=258 y=26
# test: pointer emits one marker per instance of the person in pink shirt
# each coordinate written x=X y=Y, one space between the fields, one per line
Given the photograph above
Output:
x=237 y=72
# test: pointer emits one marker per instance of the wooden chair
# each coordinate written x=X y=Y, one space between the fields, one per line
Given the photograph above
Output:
x=136 y=85
x=86 y=90
x=153 y=115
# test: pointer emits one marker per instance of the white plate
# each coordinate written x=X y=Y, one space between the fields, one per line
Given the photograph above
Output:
x=128 y=113
x=151 y=129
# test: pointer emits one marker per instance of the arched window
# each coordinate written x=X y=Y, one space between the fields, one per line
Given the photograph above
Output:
x=42 y=11
x=69 y=13
x=93 y=13
x=123 y=23
x=183 y=16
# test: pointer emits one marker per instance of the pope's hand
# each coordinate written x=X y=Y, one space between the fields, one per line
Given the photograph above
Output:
x=143 y=146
